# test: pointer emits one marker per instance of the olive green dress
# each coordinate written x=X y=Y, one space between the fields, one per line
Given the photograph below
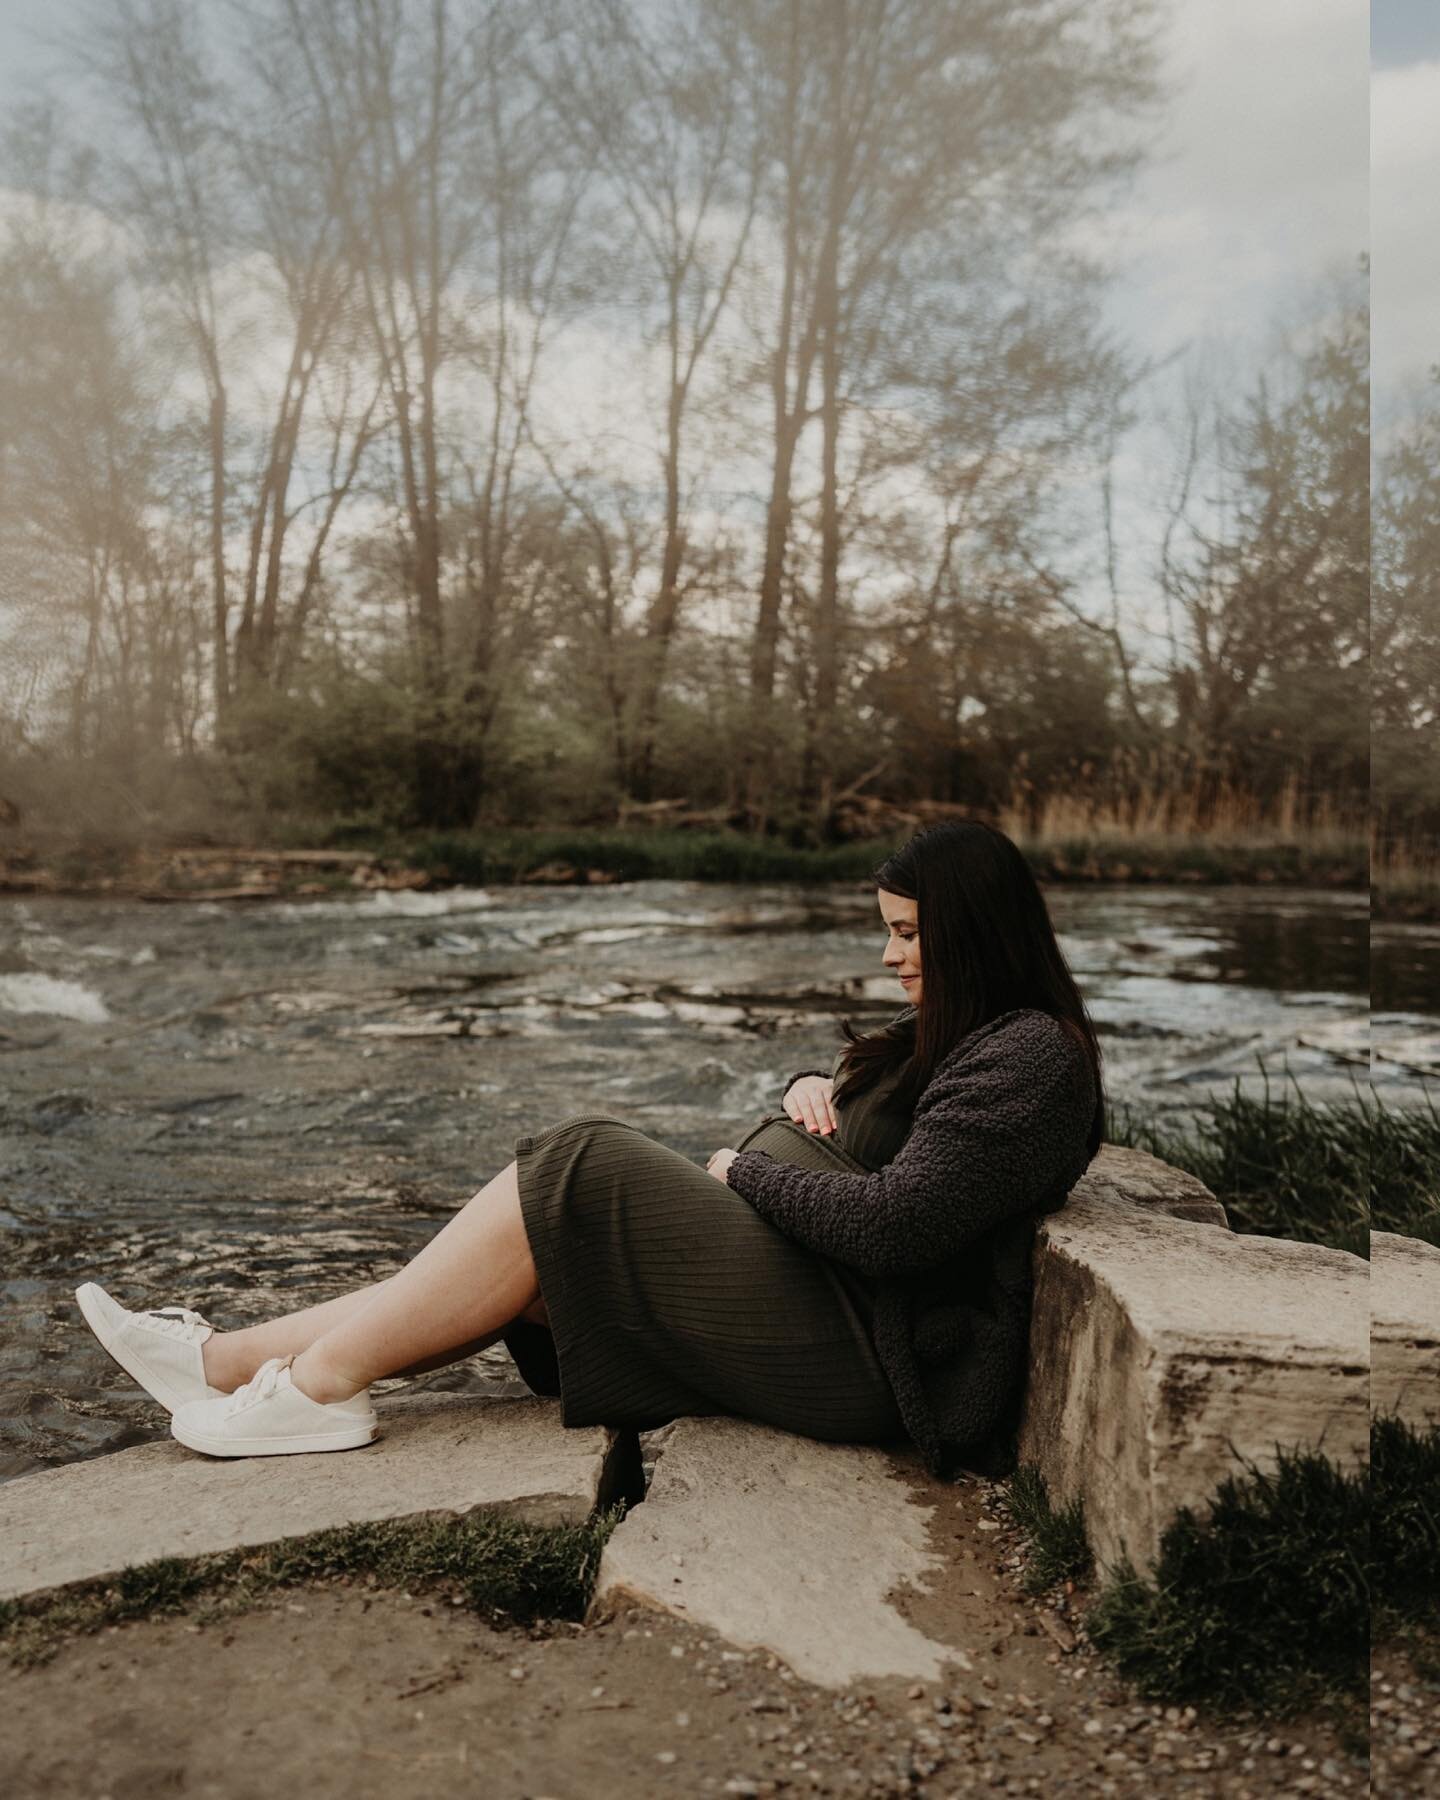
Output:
x=669 y=1295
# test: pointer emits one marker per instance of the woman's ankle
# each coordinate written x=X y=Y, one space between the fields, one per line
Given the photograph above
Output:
x=218 y=1362
x=318 y=1382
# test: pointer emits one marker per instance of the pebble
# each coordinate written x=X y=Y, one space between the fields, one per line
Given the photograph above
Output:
x=1405 y=1727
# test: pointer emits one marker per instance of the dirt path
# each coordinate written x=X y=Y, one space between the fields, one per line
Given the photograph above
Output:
x=337 y=1690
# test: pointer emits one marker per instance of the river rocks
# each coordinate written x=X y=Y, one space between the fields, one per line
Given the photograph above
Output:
x=438 y=1454
x=1118 y=1173
x=780 y=1543
x=1160 y=1348
x=1405 y=1328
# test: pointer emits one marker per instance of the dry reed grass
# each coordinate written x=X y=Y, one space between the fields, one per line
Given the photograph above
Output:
x=1405 y=870
x=1155 y=800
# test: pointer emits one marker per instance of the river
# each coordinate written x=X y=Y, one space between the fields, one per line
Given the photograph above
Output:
x=246 y=1109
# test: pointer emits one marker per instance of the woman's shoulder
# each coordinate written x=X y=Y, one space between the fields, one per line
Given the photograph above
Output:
x=1024 y=1037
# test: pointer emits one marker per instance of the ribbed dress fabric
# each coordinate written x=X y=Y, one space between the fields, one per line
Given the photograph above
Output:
x=669 y=1296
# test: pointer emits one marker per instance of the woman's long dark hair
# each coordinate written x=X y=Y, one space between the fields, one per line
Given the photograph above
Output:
x=986 y=947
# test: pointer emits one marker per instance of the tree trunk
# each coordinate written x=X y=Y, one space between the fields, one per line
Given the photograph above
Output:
x=660 y=627
x=826 y=645
x=219 y=605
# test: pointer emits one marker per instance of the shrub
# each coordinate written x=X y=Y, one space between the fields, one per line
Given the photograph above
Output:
x=1260 y=1603
x=1405 y=1550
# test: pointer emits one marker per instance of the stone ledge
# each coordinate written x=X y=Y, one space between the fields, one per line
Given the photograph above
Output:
x=780 y=1543
x=1405 y=1328
x=438 y=1454
x=1119 y=1173
x=1163 y=1351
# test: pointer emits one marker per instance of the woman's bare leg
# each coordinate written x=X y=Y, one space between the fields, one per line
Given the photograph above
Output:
x=460 y=1292
x=232 y=1357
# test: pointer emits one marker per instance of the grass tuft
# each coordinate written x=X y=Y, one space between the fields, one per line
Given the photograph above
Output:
x=1261 y=1604
x=1405 y=1546
x=510 y=1573
x=1059 y=1550
x=1287 y=1167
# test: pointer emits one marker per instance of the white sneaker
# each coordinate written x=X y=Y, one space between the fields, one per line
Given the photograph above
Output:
x=161 y=1350
x=270 y=1416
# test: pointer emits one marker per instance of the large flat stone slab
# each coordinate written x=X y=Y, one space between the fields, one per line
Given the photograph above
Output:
x=437 y=1454
x=1162 y=1351
x=1405 y=1328
x=780 y=1543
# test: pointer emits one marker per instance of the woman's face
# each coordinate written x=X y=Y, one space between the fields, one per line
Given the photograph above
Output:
x=902 y=942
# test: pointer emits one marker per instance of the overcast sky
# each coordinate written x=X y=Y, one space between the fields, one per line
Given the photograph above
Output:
x=1405 y=196
x=1262 y=181
x=1279 y=158
x=1259 y=185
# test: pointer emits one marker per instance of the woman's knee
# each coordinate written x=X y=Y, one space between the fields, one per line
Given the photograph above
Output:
x=594 y=1127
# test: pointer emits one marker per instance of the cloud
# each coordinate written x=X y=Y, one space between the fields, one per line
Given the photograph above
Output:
x=1405 y=222
x=1259 y=184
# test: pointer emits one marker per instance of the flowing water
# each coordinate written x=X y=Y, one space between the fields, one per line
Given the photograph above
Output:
x=249 y=1109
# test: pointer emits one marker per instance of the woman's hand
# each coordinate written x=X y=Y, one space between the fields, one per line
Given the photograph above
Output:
x=720 y=1162
x=807 y=1101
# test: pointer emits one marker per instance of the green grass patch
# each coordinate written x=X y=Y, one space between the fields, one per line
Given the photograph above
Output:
x=637 y=854
x=1286 y=1167
x=1058 y=1548
x=490 y=857
x=1405 y=1171
x=496 y=855
x=1214 y=861
x=510 y=1573
x=1405 y=1547
x=1260 y=1604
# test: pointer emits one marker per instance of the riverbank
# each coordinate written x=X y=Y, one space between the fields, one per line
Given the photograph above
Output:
x=364 y=1684
x=338 y=860
x=1283 y=1167
x=1406 y=893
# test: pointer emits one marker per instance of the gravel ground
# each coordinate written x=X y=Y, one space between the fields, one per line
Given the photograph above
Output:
x=1405 y=1722
x=349 y=1690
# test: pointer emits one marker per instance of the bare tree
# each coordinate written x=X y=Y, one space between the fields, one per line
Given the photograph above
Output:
x=1405 y=665
x=86 y=467
x=1265 y=562
x=176 y=194
x=914 y=140
x=657 y=107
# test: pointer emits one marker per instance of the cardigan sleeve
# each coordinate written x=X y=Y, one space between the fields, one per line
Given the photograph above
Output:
x=1000 y=1131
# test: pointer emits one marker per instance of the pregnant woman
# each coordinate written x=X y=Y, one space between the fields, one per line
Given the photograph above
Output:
x=857 y=1269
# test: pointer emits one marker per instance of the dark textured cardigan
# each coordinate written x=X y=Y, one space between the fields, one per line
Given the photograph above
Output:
x=999 y=1137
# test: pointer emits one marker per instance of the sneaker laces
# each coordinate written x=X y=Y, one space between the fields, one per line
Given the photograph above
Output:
x=175 y=1321
x=261 y=1385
